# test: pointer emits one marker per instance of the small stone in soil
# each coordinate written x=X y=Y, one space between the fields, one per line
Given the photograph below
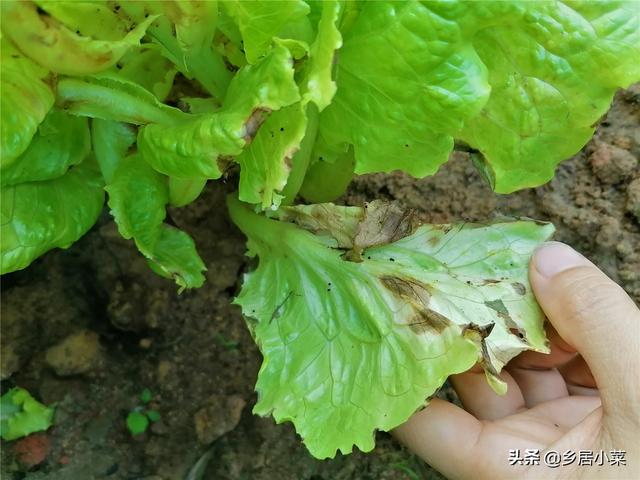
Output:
x=633 y=198
x=78 y=353
x=220 y=415
x=32 y=450
x=612 y=164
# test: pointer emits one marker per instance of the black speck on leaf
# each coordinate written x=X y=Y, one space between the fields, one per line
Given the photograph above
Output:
x=392 y=259
x=282 y=129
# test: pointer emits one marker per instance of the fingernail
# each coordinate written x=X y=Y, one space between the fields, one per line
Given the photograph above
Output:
x=551 y=258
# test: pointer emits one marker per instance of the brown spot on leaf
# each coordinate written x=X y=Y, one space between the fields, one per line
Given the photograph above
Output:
x=288 y=156
x=519 y=288
x=503 y=313
x=433 y=241
x=252 y=124
x=407 y=290
x=383 y=223
x=417 y=295
x=427 y=320
x=500 y=308
x=478 y=334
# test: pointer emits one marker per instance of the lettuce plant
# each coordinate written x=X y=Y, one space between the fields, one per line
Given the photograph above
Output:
x=360 y=312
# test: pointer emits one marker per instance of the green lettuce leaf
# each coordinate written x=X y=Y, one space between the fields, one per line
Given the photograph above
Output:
x=361 y=313
x=21 y=414
x=51 y=44
x=111 y=97
x=318 y=85
x=137 y=198
x=265 y=164
x=183 y=191
x=259 y=22
x=61 y=141
x=407 y=79
x=553 y=68
x=111 y=143
x=522 y=82
x=184 y=32
x=38 y=216
x=149 y=69
x=26 y=98
x=328 y=176
x=194 y=148
x=93 y=18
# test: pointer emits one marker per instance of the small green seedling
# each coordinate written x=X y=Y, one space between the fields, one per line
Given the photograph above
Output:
x=139 y=418
x=22 y=415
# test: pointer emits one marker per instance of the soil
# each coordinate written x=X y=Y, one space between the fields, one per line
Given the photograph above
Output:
x=90 y=328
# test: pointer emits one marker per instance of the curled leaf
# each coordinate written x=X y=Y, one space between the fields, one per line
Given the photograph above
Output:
x=51 y=44
x=39 y=216
x=60 y=142
x=194 y=148
x=26 y=98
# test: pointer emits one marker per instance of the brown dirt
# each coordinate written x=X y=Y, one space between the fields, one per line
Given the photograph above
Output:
x=196 y=356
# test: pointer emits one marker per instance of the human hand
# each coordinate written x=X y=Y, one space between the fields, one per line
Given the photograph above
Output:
x=584 y=395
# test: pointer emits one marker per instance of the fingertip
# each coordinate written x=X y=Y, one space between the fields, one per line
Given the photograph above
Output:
x=552 y=258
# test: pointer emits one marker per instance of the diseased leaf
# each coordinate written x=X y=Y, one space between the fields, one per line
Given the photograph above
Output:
x=193 y=148
x=265 y=164
x=51 y=44
x=39 y=216
x=137 y=198
x=26 y=98
x=21 y=414
x=60 y=142
x=259 y=22
x=354 y=346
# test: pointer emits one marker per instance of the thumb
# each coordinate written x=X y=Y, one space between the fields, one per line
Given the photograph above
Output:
x=593 y=315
